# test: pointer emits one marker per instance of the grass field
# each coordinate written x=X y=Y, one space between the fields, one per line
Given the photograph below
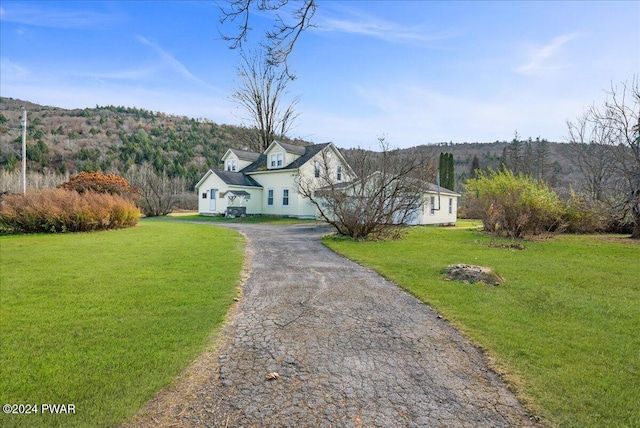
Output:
x=564 y=329
x=249 y=220
x=104 y=320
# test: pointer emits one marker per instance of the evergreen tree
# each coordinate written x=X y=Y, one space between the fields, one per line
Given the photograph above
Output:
x=451 y=184
x=543 y=152
x=475 y=167
x=515 y=154
x=447 y=172
x=526 y=166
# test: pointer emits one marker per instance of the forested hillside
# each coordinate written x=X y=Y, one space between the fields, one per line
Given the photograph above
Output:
x=112 y=139
x=539 y=158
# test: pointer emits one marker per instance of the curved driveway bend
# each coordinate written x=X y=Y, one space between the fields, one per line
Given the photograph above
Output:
x=351 y=350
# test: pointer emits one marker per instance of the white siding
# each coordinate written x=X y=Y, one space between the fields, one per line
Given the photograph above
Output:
x=276 y=149
x=230 y=156
x=254 y=204
x=212 y=182
x=278 y=181
x=431 y=215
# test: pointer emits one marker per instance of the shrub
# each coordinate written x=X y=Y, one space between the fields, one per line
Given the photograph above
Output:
x=158 y=193
x=99 y=183
x=514 y=205
x=582 y=216
x=61 y=210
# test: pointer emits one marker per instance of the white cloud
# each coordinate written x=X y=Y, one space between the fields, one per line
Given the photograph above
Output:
x=12 y=71
x=414 y=114
x=173 y=63
x=366 y=25
x=544 y=59
x=29 y=14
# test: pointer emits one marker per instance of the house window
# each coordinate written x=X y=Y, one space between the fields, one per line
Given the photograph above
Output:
x=339 y=173
x=433 y=205
x=204 y=195
x=285 y=197
x=232 y=165
x=450 y=205
x=316 y=166
x=276 y=160
x=270 y=197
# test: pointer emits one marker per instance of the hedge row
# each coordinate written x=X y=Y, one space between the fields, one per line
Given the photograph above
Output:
x=518 y=205
x=60 y=210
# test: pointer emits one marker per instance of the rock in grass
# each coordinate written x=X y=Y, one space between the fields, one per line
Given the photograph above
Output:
x=470 y=274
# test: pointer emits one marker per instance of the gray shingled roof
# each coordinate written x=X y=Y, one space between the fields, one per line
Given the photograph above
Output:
x=299 y=150
x=260 y=164
x=233 y=178
x=242 y=154
x=309 y=152
x=434 y=188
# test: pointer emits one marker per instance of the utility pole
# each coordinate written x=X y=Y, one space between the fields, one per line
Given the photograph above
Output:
x=23 y=124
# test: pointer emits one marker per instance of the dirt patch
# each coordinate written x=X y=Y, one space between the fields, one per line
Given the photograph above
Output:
x=621 y=239
x=514 y=246
x=470 y=274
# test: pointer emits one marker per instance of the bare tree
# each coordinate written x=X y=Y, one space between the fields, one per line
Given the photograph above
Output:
x=387 y=191
x=616 y=128
x=158 y=193
x=261 y=92
x=280 y=40
x=591 y=158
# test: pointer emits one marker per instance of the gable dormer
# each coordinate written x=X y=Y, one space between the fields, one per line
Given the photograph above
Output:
x=280 y=155
x=237 y=160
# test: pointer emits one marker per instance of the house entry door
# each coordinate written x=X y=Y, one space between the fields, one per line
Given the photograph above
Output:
x=212 y=199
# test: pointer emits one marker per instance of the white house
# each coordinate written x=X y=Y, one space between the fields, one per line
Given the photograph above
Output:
x=269 y=183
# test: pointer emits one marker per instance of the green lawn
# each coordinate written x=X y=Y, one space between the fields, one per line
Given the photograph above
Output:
x=250 y=220
x=465 y=222
x=564 y=329
x=104 y=320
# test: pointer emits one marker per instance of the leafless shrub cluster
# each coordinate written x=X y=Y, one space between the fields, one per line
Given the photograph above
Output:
x=606 y=144
x=11 y=181
x=158 y=193
x=381 y=192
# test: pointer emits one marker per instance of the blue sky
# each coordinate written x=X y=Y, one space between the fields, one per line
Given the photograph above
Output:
x=416 y=72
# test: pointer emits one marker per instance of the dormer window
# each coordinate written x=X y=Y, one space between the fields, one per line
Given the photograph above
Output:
x=232 y=165
x=277 y=160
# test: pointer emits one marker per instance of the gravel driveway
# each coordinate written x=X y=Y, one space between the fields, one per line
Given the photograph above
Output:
x=350 y=348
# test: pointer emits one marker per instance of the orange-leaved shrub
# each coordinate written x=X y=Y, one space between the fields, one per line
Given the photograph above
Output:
x=99 y=183
x=61 y=210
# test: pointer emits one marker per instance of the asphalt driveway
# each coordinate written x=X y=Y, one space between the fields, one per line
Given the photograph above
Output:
x=350 y=349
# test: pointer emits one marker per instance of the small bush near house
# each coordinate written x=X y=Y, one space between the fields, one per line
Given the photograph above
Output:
x=514 y=206
x=61 y=210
